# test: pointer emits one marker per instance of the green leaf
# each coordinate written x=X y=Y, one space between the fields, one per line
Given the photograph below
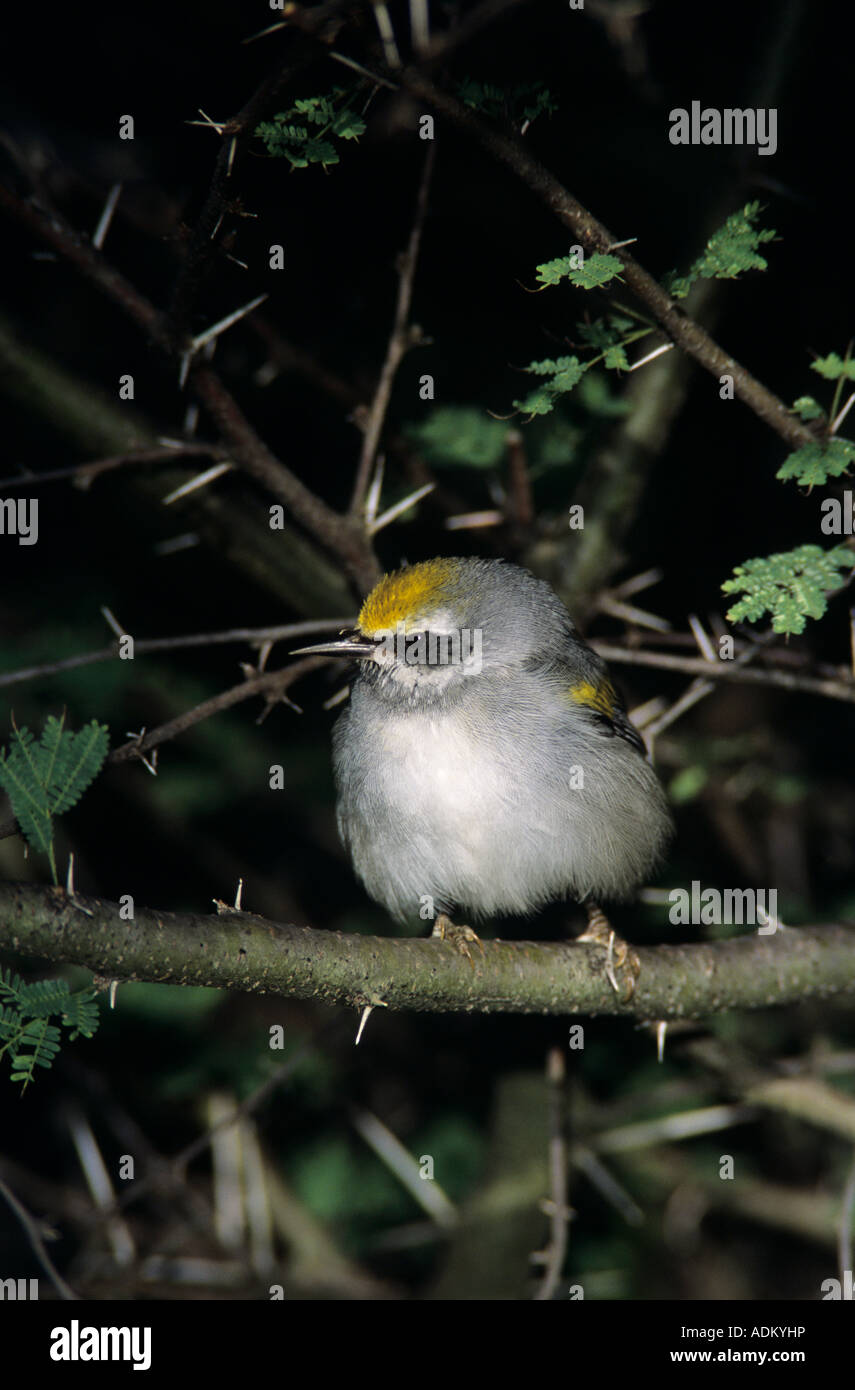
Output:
x=43 y=1038
x=551 y=272
x=20 y=778
x=814 y=463
x=347 y=125
x=603 y=332
x=586 y=272
x=321 y=152
x=318 y=110
x=808 y=408
x=733 y=248
x=480 y=96
x=81 y=1014
x=520 y=104
x=288 y=135
x=791 y=586
x=24 y=1028
x=43 y=998
x=45 y=779
x=688 y=784
x=615 y=358
x=677 y=285
x=730 y=250
x=565 y=373
x=543 y=102
x=597 y=398
x=833 y=367
x=456 y=435
x=10 y=985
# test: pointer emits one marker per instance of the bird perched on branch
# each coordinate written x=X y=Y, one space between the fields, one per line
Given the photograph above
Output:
x=485 y=764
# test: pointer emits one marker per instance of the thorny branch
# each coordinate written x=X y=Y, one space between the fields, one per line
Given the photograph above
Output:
x=402 y=337
x=239 y=951
x=272 y=685
x=339 y=534
x=255 y=635
x=682 y=330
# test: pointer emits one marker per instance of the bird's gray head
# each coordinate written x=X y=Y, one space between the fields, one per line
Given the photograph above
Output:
x=436 y=624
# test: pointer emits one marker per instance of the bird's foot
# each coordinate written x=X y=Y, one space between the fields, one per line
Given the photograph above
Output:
x=460 y=937
x=622 y=964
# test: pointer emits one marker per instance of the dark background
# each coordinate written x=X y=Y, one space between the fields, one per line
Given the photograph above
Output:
x=777 y=794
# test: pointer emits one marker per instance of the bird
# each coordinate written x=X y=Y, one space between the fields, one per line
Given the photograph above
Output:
x=485 y=764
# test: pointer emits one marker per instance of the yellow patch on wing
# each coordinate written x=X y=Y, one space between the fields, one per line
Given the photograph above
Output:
x=600 y=697
x=400 y=596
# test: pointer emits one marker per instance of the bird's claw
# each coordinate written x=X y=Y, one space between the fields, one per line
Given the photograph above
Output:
x=621 y=959
x=459 y=936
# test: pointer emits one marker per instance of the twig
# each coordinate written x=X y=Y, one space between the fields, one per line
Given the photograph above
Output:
x=847 y=1219
x=100 y=233
x=271 y=684
x=35 y=1238
x=387 y=33
x=215 y=329
x=283 y=633
x=697 y=691
x=728 y=671
x=197 y=483
x=559 y=1213
x=680 y=1125
x=402 y=337
x=85 y=472
x=604 y=1181
x=398 y=508
x=520 y=501
x=398 y=1159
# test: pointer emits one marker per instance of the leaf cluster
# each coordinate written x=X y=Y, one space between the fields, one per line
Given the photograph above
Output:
x=47 y=777
x=304 y=134
x=730 y=250
x=792 y=586
x=610 y=334
x=520 y=105
x=26 y=1032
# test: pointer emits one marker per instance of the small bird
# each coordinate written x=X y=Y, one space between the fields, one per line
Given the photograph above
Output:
x=485 y=763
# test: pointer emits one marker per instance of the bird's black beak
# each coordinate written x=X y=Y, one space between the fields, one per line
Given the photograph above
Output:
x=349 y=644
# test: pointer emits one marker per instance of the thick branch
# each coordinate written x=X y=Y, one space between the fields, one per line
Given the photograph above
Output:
x=243 y=952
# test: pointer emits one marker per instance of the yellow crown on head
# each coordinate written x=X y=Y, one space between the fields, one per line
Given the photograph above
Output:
x=399 y=597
